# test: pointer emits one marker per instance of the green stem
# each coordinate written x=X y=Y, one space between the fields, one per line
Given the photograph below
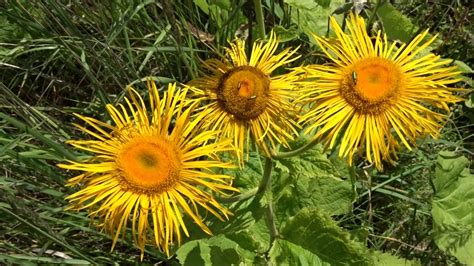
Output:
x=266 y=186
x=259 y=15
x=35 y=133
x=374 y=12
x=266 y=182
x=307 y=146
x=270 y=218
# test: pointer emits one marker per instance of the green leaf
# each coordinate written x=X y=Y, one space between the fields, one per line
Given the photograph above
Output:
x=463 y=67
x=247 y=212
x=397 y=26
x=323 y=3
x=466 y=73
x=217 y=9
x=287 y=253
x=224 y=4
x=302 y=4
x=203 y=5
x=386 y=259
x=318 y=233
x=251 y=174
x=255 y=238
x=311 y=17
x=285 y=35
x=193 y=252
x=217 y=250
x=470 y=101
x=453 y=206
x=312 y=180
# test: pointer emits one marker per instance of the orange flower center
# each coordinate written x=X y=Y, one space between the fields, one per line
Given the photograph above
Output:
x=371 y=84
x=149 y=164
x=243 y=92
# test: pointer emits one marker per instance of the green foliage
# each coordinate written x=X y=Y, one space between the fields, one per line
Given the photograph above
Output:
x=286 y=35
x=255 y=238
x=451 y=20
x=453 y=206
x=286 y=253
x=312 y=16
x=58 y=58
x=81 y=51
x=311 y=179
x=385 y=259
x=35 y=260
x=8 y=32
x=217 y=250
x=396 y=25
x=318 y=233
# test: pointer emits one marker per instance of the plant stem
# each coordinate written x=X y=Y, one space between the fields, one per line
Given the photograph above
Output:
x=307 y=146
x=270 y=217
x=259 y=15
x=267 y=176
x=374 y=12
x=266 y=186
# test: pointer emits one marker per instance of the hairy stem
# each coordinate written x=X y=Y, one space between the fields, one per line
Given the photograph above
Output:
x=307 y=146
x=270 y=218
x=266 y=178
x=266 y=186
x=374 y=12
x=259 y=15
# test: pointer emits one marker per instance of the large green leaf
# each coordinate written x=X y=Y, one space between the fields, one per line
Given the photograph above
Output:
x=247 y=212
x=318 y=233
x=249 y=177
x=255 y=238
x=286 y=253
x=312 y=180
x=217 y=250
x=312 y=16
x=453 y=206
x=397 y=26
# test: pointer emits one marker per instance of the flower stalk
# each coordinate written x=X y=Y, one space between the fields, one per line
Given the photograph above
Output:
x=298 y=151
x=259 y=15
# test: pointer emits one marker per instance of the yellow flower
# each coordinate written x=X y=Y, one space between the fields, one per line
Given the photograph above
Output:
x=375 y=94
x=241 y=97
x=148 y=172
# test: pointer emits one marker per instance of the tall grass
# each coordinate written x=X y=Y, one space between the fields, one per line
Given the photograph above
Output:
x=61 y=57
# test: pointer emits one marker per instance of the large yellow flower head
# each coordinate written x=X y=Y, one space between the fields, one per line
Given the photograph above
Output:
x=375 y=94
x=242 y=98
x=149 y=172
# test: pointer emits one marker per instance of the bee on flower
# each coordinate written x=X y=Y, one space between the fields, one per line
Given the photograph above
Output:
x=244 y=100
x=373 y=95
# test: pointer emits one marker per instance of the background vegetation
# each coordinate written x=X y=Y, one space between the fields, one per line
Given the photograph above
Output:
x=61 y=57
